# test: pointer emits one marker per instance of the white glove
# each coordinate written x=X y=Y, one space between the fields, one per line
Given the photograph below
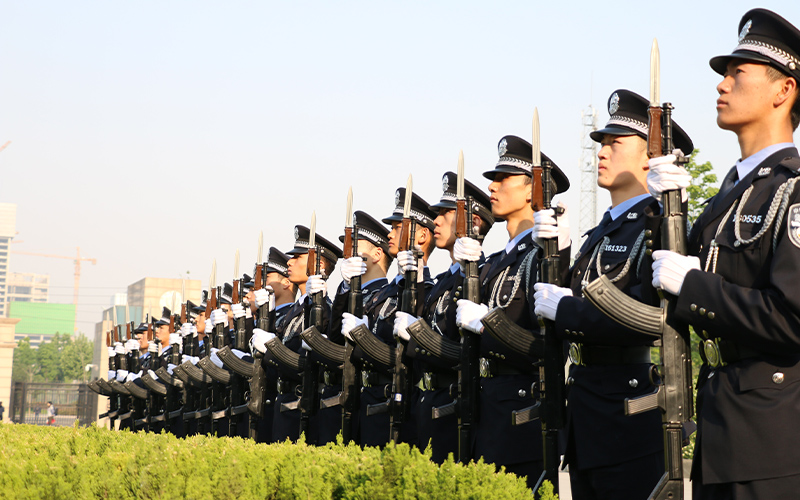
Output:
x=110 y=351
x=185 y=358
x=131 y=377
x=214 y=358
x=305 y=346
x=665 y=175
x=152 y=348
x=547 y=297
x=119 y=348
x=186 y=329
x=238 y=311
x=209 y=327
x=170 y=368
x=315 y=284
x=402 y=321
x=112 y=374
x=349 y=322
x=258 y=342
x=670 y=268
x=469 y=315
x=132 y=345
x=354 y=266
x=467 y=250
x=239 y=354
x=406 y=261
x=194 y=330
x=174 y=338
x=262 y=295
x=194 y=359
x=546 y=225
x=152 y=374
x=122 y=375
x=218 y=316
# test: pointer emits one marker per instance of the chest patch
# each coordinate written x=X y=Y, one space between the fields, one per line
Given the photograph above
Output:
x=616 y=248
x=793 y=224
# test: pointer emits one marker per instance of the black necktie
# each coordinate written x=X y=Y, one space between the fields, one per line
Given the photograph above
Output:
x=598 y=231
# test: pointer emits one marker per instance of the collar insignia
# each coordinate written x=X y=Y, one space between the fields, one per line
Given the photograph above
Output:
x=521 y=247
x=764 y=171
x=633 y=215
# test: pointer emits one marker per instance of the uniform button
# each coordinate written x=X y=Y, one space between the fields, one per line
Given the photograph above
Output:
x=633 y=382
x=458 y=293
x=566 y=331
x=693 y=307
x=416 y=349
x=702 y=311
x=648 y=243
x=711 y=315
x=711 y=374
x=578 y=272
x=777 y=377
x=505 y=297
x=502 y=356
x=269 y=402
x=424 y=353
x=459 y=288
x=607 y=267
x=570 y=380
x=522 y=393
x=648 y=232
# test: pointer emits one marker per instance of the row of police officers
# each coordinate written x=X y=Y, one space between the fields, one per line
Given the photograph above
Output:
x=278 y=354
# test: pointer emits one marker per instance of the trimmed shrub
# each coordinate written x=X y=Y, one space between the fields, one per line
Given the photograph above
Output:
x=92 y=462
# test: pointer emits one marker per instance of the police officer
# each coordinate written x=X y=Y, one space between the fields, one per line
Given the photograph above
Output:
x=738 y=286
x=610 y=455
x=438 y=375
x=506 y=377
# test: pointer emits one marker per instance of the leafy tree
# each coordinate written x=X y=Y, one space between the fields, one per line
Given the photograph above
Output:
x=75 y=355
x=26 y=365
x=49 y=356
x=701 y=188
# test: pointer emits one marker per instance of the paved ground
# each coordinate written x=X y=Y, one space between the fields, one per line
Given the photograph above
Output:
x=563 y=484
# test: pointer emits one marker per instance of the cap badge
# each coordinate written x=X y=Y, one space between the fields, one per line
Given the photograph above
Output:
x=296 y=233
x=502 y=147
x=445 y=184
x=745 y=30
x=397 y=197
x=613 y=104
x=354 y=220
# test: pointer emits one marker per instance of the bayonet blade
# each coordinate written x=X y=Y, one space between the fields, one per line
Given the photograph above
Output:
x=348 y=213
x=114 y=315
x=212 y=282
x=127 y=315
x=312 y=237
x=460 y=176
x=260 y=247
x=183 y=291
x=236 y=266
x=407 y=200
x=536 y=147
x=655 y=75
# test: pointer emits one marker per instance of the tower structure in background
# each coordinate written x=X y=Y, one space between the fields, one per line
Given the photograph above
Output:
x=8 y=224
x=588 y=166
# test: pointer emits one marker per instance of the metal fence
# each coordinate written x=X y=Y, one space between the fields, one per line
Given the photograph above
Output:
x=72 y=402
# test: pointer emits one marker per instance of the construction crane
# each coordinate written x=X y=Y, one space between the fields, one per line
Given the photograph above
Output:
x=77 y=260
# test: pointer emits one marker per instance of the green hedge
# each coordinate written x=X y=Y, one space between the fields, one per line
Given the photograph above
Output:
x=86 y=463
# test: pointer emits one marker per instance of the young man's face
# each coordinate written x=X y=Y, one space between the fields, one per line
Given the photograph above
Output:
x=163 y=335
x=509 y=194
x=444 y=231
x=394 y=238
x=746 y=95
x=297 y=269
x=623 y=161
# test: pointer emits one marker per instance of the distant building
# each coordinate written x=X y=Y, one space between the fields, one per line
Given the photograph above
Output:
x=28 y=287
x=8 y=229
x=41 y=321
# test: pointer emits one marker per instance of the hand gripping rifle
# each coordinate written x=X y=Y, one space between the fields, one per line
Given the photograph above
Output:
x=174 y=397
x=399 y=405
x=309 y=397
x=674 y=395
x=238 y=383
x=266 y=322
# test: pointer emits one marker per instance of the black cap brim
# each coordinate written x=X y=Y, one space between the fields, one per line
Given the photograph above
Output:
x=297 y=251
x=597 y=135
x=503 y=169
x=720 y=63
x=392 y=218
x=449 y=205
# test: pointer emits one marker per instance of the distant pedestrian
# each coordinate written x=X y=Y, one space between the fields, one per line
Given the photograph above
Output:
x=51 y=413
x=2 y=410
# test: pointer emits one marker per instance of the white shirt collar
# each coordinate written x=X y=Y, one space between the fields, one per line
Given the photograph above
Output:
x=364 y=285
x=287 y=304
x=744 y=167
x=513 y=243
x=626 y=205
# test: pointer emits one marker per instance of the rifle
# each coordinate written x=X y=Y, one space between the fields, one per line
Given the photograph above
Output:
x=469 y=369
x=238 y=405
x=674 y=395
x=266 y=321
x=113 y=399
x=309 y=397
x=355 y=306
x=401 y=377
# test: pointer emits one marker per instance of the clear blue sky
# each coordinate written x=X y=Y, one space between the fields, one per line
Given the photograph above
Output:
x=158 y=136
